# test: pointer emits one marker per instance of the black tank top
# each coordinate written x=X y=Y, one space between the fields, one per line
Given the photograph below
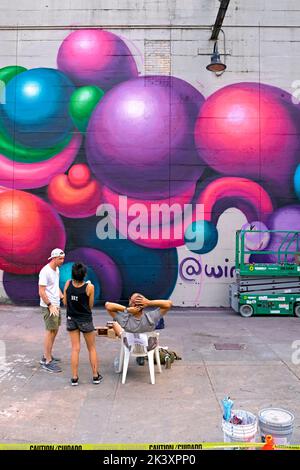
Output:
x=78 y=303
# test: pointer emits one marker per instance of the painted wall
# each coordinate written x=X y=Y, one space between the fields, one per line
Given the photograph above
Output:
x=117 y=145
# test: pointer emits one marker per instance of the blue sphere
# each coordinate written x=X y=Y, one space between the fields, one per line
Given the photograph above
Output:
x=65 y=273
x=297 y=181
x=201 y=236
x=36 y=111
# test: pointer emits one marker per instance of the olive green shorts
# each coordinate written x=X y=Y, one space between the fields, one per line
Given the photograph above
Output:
x=52 y=322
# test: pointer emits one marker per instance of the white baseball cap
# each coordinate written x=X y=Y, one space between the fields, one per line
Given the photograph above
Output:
x=56 y=253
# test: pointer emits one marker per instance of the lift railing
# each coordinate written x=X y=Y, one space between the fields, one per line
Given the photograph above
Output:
x=284 y=261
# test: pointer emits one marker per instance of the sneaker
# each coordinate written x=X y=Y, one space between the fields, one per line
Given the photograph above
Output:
x=74 y=382
x=51 y=367
x=55 y=359
x=97 y=379
x=140 y=361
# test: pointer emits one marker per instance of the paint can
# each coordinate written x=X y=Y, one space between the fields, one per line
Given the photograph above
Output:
x=278 y=423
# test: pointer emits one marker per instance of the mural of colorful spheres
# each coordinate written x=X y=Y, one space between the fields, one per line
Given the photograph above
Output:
x=120 y=169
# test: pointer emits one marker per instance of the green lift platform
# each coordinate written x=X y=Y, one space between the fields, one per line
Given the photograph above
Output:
x=267 y=288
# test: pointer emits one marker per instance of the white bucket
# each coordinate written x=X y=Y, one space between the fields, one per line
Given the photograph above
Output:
x=240 y=432
x=278 y=423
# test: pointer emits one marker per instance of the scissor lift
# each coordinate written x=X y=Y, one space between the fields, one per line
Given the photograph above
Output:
x=267 y=288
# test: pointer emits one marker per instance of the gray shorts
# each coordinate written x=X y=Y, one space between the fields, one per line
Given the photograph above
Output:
x=83 y=326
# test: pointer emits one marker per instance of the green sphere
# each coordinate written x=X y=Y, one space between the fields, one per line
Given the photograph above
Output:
x=19 y=153
x=6 y=74
x=82 y=104
x=9 y=72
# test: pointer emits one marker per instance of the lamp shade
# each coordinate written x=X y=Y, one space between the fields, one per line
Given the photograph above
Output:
x=216 y=65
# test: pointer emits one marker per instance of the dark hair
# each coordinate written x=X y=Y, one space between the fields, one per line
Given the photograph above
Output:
x=78 y=272
x=135 y=293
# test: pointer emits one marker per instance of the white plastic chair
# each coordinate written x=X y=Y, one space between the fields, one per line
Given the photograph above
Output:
x=138 y=350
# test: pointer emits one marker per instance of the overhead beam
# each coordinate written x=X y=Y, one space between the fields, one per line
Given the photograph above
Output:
x=220 y=18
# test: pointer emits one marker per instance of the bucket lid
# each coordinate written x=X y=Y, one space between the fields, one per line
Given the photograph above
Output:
x=276 y=416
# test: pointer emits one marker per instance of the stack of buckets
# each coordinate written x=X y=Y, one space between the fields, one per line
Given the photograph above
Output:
x=276 y=422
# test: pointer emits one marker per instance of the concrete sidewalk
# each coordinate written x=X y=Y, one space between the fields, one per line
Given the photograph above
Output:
x=183 y=405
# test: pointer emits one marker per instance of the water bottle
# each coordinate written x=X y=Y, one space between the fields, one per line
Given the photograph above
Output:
x=168 y=361
x=227 y=407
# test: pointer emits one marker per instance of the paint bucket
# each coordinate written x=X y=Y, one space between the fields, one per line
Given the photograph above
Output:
x=278 y=423
x=240 y=432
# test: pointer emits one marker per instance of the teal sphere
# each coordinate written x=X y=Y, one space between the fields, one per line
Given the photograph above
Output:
x=65 y=273
x=297 y=181
x=201 y=236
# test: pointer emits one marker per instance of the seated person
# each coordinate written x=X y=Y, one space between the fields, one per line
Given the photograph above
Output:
x=297 y=258
x=135 y=319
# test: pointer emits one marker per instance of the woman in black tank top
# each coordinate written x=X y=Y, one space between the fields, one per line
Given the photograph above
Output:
x=79 y=300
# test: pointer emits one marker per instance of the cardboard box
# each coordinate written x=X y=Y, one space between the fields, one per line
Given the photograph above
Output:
x=101 y=330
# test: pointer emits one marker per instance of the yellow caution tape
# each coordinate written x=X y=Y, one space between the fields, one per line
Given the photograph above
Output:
x=178 y=446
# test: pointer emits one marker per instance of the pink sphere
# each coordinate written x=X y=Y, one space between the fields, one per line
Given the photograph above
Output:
x=76 y=194
x=252 y=130
x=79 y=175
x=164 y=231
x=35 y=175
x=96 y=57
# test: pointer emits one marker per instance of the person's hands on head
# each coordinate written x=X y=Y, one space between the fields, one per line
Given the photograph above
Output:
x=134 y=310
x=140 y=301
x=53 y=310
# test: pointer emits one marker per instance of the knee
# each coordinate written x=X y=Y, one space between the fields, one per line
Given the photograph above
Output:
x=117 y=328
x=76 y=348
x=91 y=348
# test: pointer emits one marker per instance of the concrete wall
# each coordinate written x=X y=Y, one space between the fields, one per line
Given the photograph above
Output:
x=171 y=37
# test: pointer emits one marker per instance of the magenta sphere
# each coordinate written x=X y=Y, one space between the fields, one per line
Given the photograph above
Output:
x=96 y=57
x=251 y=130
x=140 y=137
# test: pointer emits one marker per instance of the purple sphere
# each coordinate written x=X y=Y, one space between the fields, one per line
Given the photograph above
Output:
x=140 y=138
x=22 y=289
x=257 y=239
x=286 y=218
x=96 y=57
x=105 y=269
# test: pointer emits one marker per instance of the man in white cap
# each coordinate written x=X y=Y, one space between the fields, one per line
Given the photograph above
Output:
x=50 y=296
